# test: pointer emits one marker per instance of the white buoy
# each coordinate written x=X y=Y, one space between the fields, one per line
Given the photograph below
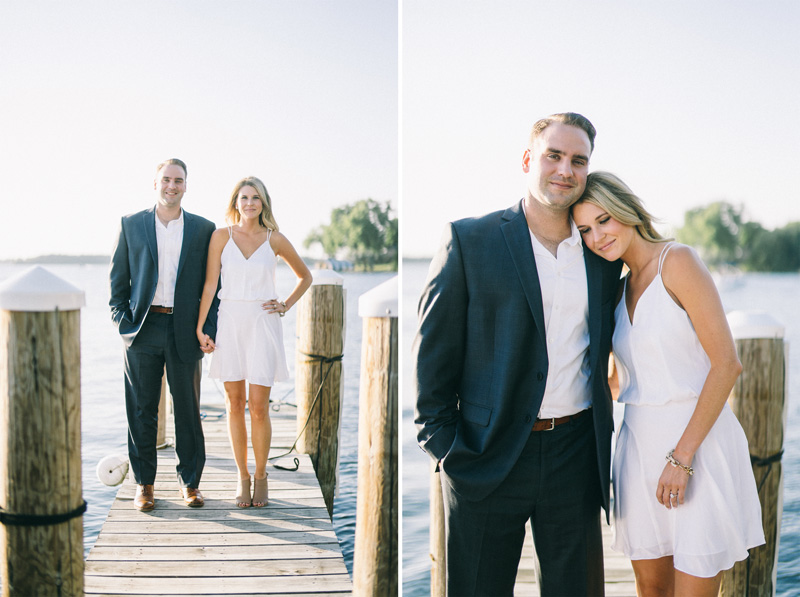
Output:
x=112 y=470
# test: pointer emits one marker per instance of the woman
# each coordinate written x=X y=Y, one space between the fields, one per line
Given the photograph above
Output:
x=249 y=342
x=686 y=505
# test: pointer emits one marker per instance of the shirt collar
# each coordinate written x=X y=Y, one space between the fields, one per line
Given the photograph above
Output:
x=176 y=224
x=574 y=239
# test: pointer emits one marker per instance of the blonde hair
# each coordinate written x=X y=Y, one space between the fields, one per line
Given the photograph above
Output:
x=609 y=193
x=266 y=218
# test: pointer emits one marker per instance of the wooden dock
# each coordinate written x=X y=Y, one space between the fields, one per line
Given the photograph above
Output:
x=618 y=571
x=287 y=548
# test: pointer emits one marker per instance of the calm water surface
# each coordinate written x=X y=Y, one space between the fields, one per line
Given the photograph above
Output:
x=777 y=294
x=104 y=426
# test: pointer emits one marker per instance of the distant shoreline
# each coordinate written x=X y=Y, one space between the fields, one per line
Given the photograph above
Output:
x=92 y=260
x=61 y=259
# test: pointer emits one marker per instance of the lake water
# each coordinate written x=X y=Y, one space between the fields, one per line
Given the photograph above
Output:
x=777 y=294
x=104 y=426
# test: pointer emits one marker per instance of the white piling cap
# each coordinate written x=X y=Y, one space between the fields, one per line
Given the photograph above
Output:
x=754 y=324
x=37 y=289
x=381 y=301
x=328 y=277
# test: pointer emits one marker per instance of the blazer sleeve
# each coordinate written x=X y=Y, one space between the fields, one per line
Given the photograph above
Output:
x=439 y=348
x=120 y=280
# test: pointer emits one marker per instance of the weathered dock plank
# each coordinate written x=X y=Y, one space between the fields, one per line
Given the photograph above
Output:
x=287 y=548
x=619 y=580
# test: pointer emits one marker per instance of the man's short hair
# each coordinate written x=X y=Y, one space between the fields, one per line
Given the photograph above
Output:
x=569 y=118
x=171 y=162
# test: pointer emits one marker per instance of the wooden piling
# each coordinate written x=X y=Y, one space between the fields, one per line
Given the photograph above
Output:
x=437 y=537
x=376 y=549
x=759 y=401
x=320 y=345
x=163 y=410
x=41 y=537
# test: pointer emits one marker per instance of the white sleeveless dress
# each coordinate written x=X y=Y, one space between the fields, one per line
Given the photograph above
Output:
x=249 y=341
x=662 y=368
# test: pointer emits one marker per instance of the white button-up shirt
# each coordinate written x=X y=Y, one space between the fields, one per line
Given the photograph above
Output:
x=169 y=239
x=565 y=299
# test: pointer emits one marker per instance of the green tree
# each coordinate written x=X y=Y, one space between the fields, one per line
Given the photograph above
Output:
x=721 y=236
x=713 y=230
x=364 y=232
x=752 y=239
x=773 y=250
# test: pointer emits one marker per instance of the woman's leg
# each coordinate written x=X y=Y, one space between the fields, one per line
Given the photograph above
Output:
x=655 y=578
x=686 y=584
x=235 y=401
x=261 y=428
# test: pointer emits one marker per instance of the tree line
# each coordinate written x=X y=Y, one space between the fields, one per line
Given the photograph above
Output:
x=364 y=232
x=724 y=237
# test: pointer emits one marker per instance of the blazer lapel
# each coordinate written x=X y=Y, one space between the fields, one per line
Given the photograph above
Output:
x=149 y=222
x=517 y=236
x=188 y=232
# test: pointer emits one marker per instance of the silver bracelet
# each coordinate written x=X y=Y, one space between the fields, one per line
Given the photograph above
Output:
x=282 y=313
x=686 y=469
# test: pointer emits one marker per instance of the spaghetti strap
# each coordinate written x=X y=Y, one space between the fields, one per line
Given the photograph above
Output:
x=663 y=255
x=230 y=231
x=269 y=234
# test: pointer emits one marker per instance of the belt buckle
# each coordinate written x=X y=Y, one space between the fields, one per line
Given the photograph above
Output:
x=552 y=424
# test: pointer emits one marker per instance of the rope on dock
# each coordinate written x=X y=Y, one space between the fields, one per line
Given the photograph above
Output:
x=323 y=359
x=765 y=462
x=39 y=520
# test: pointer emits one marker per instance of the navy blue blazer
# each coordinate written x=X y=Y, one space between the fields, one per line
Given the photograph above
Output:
x=134 y=274
x=480 y=354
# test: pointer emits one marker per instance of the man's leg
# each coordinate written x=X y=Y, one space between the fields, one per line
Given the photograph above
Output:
x=566 y=520
x=184 y=386
x=144 y=368
x=484 y=538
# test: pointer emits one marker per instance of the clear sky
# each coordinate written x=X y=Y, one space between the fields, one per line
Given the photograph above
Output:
x=693 y=102
x=94 y=94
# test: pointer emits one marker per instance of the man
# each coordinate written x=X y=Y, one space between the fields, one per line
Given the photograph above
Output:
x=511 y=372
x=157 y=276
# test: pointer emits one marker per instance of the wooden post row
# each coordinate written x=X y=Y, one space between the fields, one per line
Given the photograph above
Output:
x=759 y=401
x=376 y=547
x=41 y=535
x=320 y=345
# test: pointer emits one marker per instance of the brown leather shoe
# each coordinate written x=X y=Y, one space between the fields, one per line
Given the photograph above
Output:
x=144 y=499
x=192 y=497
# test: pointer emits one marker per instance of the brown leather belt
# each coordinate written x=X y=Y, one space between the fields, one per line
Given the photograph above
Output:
x=156 y=309
x=550 y=424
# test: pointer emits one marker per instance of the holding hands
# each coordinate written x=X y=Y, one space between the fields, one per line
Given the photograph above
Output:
x=206 y=343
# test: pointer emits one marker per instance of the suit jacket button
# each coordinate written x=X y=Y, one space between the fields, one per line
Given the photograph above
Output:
x=540 y=376
x=527 y=418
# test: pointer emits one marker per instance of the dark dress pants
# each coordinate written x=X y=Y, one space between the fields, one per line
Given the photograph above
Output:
x=554 y=484
x=153 y=348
